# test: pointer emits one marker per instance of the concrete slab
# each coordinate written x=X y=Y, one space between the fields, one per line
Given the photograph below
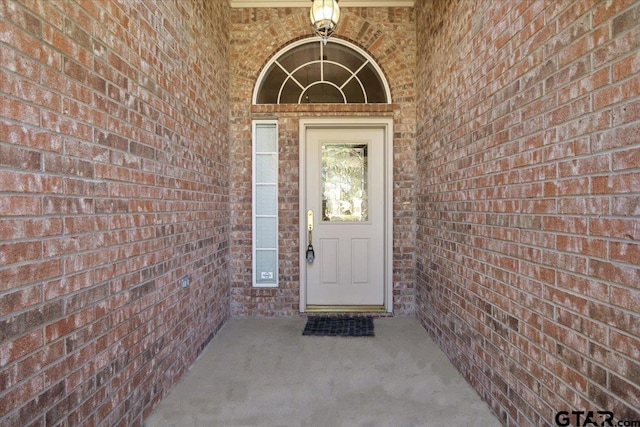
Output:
x=263 y=372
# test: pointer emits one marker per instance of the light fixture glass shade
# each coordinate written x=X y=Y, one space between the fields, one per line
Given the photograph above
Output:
x=324 y=16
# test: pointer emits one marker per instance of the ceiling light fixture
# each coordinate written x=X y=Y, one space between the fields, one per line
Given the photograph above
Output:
x=324 y=15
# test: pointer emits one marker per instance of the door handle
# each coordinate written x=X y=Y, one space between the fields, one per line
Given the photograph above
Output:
x=311 y=255
x=310 y=220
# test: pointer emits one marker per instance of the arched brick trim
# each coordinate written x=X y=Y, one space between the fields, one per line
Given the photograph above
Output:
x=389 y=52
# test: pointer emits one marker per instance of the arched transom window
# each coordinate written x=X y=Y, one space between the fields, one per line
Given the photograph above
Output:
x=311 y=72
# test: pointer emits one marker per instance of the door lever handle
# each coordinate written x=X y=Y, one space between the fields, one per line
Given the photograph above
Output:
x=311 y=255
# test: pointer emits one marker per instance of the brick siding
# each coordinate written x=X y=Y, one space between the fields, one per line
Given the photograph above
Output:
x=528 y=201
x=388 y=35
x=114 y=182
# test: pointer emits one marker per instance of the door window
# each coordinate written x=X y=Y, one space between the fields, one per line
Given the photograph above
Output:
x=344 y=183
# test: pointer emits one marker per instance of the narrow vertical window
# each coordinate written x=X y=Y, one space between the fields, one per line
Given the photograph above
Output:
x=265 y=203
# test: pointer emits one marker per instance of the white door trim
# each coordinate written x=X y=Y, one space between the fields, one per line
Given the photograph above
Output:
x=386 y=123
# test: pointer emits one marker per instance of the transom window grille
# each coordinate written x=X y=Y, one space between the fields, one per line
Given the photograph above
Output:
x=311 y=72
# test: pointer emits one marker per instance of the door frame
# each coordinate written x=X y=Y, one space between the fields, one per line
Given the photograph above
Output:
x=384 y=123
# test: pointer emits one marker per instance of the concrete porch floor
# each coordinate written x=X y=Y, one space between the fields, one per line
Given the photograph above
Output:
x=263 y=372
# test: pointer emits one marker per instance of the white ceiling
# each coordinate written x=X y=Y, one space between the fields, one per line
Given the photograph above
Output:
x=307 y=3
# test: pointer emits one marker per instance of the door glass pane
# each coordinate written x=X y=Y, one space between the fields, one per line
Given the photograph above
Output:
x=344 y=182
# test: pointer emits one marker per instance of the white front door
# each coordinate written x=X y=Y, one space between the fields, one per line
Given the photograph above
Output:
x=345 y=191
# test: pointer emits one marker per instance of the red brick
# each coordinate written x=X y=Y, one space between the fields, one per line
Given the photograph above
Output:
x=616 y=184
x=583 y=46
x=69 y=324
x=60 y=42
x=583 y=286
x=14 y=62
x=627 y=345
x=67 y=205
x=30 y=92
x=584 y=86
x=28 y=137
x=567 y=300
x=11 y=253
x=29 y=183
x=626 y=205
x=565 y=224
x=567 y=187
x=619 y=46
x=19 y=158
x=628 y=159
x=67 y=86
x=626 y=390
x=626 y=113
x=567 y=112
x=626 y=67
x=68 y=166
x=605 y=11
x=21 y=394
x=622 y=274
x=618 y=318
x=614 y=94
x=26 y=274
x=20 y=299
x=585 y=166
x=572 y=72
x=582 y=245
x=18 y=348
x=20 y=40
x=19 y=111
x=626 y=252
x=584 y=125
x=618 y=228
x=65 y=125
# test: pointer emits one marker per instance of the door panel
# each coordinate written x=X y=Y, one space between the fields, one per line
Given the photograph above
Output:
x=345 y=189
x=328 y=260
x=360 y=261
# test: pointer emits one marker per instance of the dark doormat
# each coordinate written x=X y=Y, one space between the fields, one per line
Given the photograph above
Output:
x=343 y=326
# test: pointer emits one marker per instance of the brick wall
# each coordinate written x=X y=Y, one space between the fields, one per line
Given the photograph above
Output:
x=114 y=180
x=388 y=35
x=528 y=200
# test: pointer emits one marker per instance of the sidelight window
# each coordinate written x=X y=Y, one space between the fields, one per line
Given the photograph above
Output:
x=265 y=204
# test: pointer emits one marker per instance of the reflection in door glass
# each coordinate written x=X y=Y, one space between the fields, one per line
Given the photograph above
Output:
x=344 y=182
